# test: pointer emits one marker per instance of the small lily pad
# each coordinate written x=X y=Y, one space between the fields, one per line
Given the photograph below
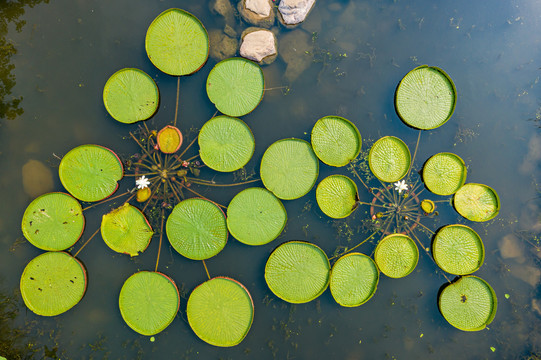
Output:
x=389 y=159
x=396 y=255
x=354 y=279
x=444 y=173
x=169 y=139
x=428 y=206
x=477 y=202
x=53 y=221
x=458 y=250
x=336 y=141
x=337 y=196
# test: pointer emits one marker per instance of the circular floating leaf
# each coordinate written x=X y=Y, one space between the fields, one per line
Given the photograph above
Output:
x=289 y=168
x=389 y=159
x=53 y=221
x=255 y=216
x=177 y=43
x=53 y=283
x=130 y=95
x=458 y=250
x=336 y=141
x=428 y=206
x=337 y=196
x=197 y=229
x=468 y=304
x=90 y=172
x=396 y=255
x=354 y=279
x=477 y=202
x=148 y=302
x=126 y=230
x=425 y=98
x=226 y=143
x=444 y=173
x=297 y=272
x=220 y=311
x=169 y=139
x=235 y=86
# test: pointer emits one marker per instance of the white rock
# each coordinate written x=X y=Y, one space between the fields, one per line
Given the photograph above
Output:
x=295 y=11
x=258 y=45
x=257 y=12
x=260 y=7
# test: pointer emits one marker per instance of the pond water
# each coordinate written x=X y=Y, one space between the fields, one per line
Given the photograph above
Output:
x=56 y=57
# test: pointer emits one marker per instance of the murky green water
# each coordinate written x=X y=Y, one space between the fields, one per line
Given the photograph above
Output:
x=64 y=51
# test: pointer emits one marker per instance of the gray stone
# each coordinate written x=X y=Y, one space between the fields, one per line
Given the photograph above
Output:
x=295 y=48
x=225 y=9
x=37 y=178
x=221 y=45
x=526 y=273
x=511 y=248
x=258 y=45
x=257 y=12
x=293 y=12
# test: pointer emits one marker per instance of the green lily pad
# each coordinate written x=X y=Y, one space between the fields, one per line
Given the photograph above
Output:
x=297 y=272
x=289 y=168
x=53 y=221
x=396 y=255
x=235 y=86
x=444 y=173
x=126 y=230
x=458 y=250
x=337 y=196
x=389 y=159
x=425 y=98
x=354 y=279
x=130 y=95
x=220 y=311
x=197 y=229
x=477 y=202
x=177 y=43
x=52 y=283
x=255 y=216
x=336 y=141
x=90 y=172
x=226 y=143
x=469 y=304
x=148 y=302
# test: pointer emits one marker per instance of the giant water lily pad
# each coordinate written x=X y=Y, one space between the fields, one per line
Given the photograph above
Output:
x=226 y=143
x=477 y=202
x=255 y=216
x=197 y=229
x=389 y=159
x=289 y=168
x=297 y=271
x=235 y=86
x=337 y=196
x=220 y=311
x=53 y=283
x=90 y=172
x=177 y=43
x=468 y=304
x=130 y=95
x=53 y=221
x=148 y=302
x=126 y=230
x=444 y=173
x=396 y=255
x=425 y=98
x=354 y=279
x=336 y=141
x=458 y=250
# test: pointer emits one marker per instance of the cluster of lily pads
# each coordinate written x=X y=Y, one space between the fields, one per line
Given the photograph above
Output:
x=220 y=311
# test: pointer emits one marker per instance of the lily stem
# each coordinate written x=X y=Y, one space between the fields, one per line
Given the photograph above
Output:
x=106 y=200
x=206 y=270
x=160 y=244
x=82 y=247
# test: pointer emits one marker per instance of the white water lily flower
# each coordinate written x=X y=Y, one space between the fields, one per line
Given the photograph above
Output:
x=142 y=182
x=400 y=185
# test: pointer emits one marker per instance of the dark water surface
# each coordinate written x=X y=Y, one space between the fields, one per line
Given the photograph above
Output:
x=62 y=53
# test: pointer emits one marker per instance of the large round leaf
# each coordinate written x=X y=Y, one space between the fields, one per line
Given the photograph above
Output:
x=53 y=283
x=148 y=302
x=90 y=172
x=289 y=168
x=226 y=143
x=354 y=279
x=468 y=304
x=389 y=159
x=177 y=43
x=220 y=311
x=458 y=250
x=396 y=255
x=444 y=173
x=425 y=98
x=197 y=229
x=130 y=95
x=255 y=216
x=337 y=196
x=235 y=86
x=126 y=230
x=336 y=141
x=297 y=271
x=477 y=202
x=53 y=221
